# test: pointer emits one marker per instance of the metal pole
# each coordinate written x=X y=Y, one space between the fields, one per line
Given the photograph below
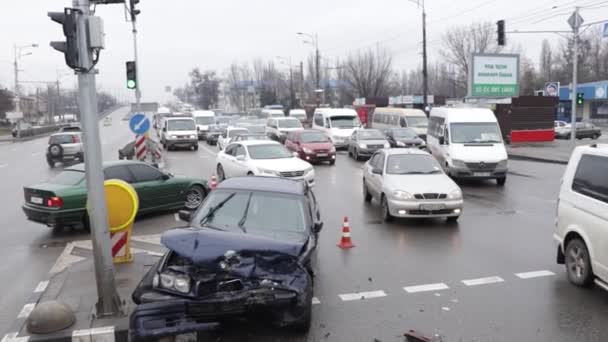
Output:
x=137 y=88
x=108 y=303
x=425 y=81
x=318 y=60
x=574 y=76
x=17 y=96
x=291 y=95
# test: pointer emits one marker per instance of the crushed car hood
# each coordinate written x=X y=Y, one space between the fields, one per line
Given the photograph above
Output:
x=203 y=245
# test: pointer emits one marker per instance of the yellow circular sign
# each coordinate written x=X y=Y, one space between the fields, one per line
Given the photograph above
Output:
x=122 y=203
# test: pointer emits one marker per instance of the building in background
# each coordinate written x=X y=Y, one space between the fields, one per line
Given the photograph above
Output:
x=595 y=102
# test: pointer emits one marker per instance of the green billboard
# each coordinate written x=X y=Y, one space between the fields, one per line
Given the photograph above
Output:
x=494 y=75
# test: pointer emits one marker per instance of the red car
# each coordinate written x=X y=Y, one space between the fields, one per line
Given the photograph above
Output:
x=311 y=145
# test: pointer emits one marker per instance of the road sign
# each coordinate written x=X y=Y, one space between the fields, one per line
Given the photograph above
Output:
x=605 y=31
x=552 y=88
x=139 y=124
x=494 y=75
x=575 y=21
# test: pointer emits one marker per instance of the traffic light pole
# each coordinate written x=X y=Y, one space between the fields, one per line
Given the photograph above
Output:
x=137 y=89
x=108 y=303
x=574 y=79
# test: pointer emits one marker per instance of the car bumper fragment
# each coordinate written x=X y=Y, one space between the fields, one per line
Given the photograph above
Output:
x=448 y=208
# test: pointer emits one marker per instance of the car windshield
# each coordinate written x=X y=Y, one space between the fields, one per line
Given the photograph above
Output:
x=404 y=133
x=62 y=139
x=68 y=177
x=236 y=132
x=475 y=132
x=257 y=129
x=290 y=123
x=253 y=137
x=268 y=151
x=266 y=213
x=417 y=121
x=204 y=120
x=345 y=121
x=313 y=137
x=408 y=164
x=370 y=134
x=181 y=125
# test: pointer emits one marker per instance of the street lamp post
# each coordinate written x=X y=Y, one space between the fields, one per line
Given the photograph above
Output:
x=18 y=54
x=315 y=43
x=425 y=82
x=285 y=60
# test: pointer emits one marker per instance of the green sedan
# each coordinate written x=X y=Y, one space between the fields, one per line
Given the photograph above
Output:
x=61 y=201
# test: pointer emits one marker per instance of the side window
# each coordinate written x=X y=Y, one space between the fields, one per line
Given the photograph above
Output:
x=354 y=135
x=145 y=173
x=318 y=119
x=118 y=172
x=591 y=178
x=402 y=122
x=446 y=134
x=230 y=150
x=374 y=160
x=240 y=151
x=380 y=161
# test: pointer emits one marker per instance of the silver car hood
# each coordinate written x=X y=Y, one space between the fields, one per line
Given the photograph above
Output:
x=416 y=184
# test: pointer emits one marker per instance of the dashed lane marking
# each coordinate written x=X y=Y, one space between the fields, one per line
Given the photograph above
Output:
x=315 y=301
x=26 y=310
x=426 y=288
x=534 y=274
x=483 y=281
x=176 y=216
x=362 y=295
x=41 y=286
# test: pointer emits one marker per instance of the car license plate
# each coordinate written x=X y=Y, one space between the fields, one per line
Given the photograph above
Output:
x=36 y=200
x=321 y=154
x=432 y=206
x=481 y=174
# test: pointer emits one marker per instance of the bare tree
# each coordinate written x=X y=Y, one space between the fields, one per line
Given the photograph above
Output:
x=546 y=62
x=461 y=42
x=368 y=73
x=527 y=77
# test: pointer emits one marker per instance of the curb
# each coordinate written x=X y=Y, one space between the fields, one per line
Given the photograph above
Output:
x=19 y=322
x=537 y=159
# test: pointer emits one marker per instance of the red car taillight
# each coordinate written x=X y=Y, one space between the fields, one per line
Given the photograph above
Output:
x=55 y=202
x=75 y=139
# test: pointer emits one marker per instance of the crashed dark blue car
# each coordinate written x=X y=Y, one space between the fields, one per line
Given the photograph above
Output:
x=247 y=251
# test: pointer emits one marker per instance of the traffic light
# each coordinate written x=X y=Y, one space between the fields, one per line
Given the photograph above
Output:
x=68 y=20
x=580 y=98
x=134 y=12
x=500 y=30
x=131 y=75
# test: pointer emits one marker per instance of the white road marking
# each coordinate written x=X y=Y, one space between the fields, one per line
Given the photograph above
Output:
x=66 y=258
x=362 y=295
x=12 y=337
x=483 y=281
x=426 y=288
x=176 y=216
x=315 y=301
x=26 y=310
x=105 y=334
x=534 y=274
x=445 y=308
x=3 y=165
x=152 y=238
x=41 y=286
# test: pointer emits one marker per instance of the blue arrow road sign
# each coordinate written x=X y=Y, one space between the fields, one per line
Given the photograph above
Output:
x=139 y=124
x=605 y=30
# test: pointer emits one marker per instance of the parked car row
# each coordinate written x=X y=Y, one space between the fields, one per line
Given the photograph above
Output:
x=563 y=130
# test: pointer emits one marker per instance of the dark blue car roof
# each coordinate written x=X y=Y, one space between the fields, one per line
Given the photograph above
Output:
x=270 y=184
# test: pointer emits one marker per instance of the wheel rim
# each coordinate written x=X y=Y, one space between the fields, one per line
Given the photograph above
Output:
x=220 y=172
x=576 y=263
x=385 y=208
x=194 y=197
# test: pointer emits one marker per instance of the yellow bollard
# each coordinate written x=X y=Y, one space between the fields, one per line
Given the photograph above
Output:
x=122 y=203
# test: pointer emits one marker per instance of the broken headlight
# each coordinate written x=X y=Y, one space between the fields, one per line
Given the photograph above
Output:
x=173 y=281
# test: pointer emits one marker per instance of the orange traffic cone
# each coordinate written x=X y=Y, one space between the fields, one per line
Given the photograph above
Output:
x=345 y=241
x=213 y=184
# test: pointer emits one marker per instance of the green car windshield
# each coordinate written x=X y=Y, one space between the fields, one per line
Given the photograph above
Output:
x=68 y=177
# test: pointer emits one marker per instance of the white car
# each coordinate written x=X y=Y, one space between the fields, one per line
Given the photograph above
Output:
x=278 y=128
x=582 y=217
x=65 y=146
x=224 y=139
x=262 y=158
x=410 y=183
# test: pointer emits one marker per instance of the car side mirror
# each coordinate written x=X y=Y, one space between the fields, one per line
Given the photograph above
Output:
x=377 y=171
x=318 y=226
x=441 y=141
x=165 y=177
x=184 y=215
x=240 y=157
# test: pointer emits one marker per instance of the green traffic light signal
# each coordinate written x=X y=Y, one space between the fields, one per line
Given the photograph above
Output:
x=580 y=99
x=131 y=75
x=131 y=84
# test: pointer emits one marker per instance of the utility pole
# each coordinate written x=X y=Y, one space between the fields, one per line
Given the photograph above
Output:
x=291 y=94
x=301 y=82
x=137 y=88
x=575 y=22
x=425 y=77
x=108 y=303
x=16 y=66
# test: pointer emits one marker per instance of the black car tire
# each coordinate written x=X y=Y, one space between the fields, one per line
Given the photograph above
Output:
x=595 y=136
x=356 y=154
x=51 y=162
x=501 y=181
x=386 y=214
x=367 y=197
x=302 y=324
x=198 y=191
x=576 y=249
x=452 y=219
x=81 y=157
x=55 y=151
x=195 y=147
x=86 y=224
x=332 y=162
x=221 y=176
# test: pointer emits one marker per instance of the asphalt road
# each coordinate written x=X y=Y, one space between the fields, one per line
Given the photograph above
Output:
x=468 y=281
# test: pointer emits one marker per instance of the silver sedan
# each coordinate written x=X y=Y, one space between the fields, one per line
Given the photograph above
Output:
x=410 y=183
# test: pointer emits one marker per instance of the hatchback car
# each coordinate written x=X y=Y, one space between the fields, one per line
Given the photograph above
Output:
x=364 y=142
x=404 y=137
x=65 y=146
x=311 y=145
x=62 y=200
x=231 y=132
x=583 y=130
x=410 y=183
x=582 y=217
x=246 y=251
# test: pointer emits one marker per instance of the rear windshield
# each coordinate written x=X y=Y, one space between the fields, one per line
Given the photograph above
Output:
x=68 y=177
x=63 y=139
x=292 y=123
x=236 y=132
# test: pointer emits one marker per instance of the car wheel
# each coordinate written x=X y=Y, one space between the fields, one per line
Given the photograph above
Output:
x=81 y=157
x=51 y=162
x=196 y=147
x=386 y=213
x=501 y=181
x=356 y=154
x=578 y=263
x=55 y=151
x=86 y=223
x=367 y=197
x=302 y=310
x=332 y=162
x=250 y=173
x=595 y=136
x=194 y=197
x=221 y=176
x=452 y=219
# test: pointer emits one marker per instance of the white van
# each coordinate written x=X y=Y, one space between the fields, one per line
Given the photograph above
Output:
x=581 y=230
x=299 y=114
x=337 y=123
x=203 y=119
x=467 y=142
x=179 y=131
x=268 y=113
x=388 y=117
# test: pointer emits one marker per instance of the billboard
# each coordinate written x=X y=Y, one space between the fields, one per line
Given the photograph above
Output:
x=494 y=75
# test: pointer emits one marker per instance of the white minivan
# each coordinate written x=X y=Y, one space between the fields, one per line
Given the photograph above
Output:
x=203 y=119
x=467 y=142
x=389 y=117
x=581 y=230
x=337 y=123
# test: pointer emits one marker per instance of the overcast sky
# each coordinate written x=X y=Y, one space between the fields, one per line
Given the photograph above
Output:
x=177 y=35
